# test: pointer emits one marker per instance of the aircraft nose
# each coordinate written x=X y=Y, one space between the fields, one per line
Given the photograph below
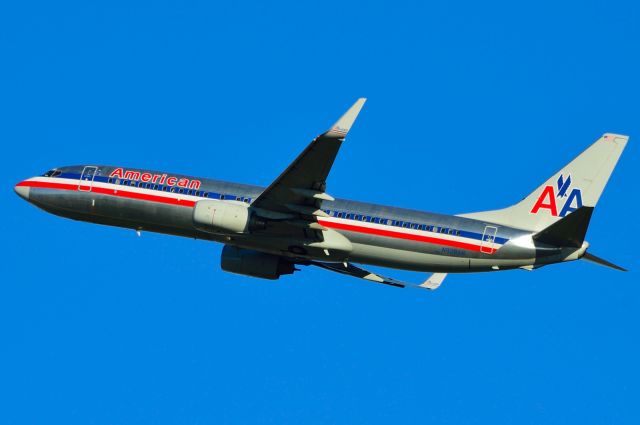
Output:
x=22 y=191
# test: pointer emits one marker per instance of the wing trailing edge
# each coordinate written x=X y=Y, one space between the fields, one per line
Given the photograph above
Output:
x=432 y=283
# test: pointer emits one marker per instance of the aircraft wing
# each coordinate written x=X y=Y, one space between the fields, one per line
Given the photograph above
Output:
x=432 y=283
x=300 y=188
x=351 y=270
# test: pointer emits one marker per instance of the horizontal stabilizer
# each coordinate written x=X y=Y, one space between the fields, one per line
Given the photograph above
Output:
x=592 y=258
x=567 y=232
x=434 y=281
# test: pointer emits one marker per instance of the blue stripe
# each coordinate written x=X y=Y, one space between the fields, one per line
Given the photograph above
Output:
x=213 y=195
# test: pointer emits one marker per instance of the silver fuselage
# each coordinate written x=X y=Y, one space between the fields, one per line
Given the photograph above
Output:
x=379 y=235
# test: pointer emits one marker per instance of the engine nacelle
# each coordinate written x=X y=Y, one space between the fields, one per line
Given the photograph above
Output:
x=221 y=217
x=254 y=263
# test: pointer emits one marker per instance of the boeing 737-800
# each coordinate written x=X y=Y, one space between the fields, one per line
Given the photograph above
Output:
x=267 y=232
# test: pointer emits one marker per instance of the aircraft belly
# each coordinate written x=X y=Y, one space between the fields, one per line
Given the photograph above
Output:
x=144 y=213
x=407 y=260
x=121 y=212
x=419 y=256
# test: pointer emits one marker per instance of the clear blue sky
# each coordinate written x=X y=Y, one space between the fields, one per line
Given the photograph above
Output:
x=471 y=105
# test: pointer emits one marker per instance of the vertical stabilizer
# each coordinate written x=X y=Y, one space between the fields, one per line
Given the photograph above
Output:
x=579 y=183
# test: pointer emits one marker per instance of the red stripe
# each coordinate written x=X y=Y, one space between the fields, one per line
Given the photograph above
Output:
x=189 y=203
x=111 y=192
x=399 y=235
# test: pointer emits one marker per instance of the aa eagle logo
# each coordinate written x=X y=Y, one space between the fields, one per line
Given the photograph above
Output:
x=549 y=199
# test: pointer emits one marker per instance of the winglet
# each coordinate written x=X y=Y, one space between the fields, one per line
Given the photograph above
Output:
x=343 y=125
x=434 y=281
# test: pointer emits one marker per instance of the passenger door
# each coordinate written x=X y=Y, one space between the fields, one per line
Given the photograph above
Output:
x=488 y=238
x=86 y=178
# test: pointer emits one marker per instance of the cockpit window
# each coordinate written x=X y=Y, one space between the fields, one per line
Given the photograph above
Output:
x=52 y=173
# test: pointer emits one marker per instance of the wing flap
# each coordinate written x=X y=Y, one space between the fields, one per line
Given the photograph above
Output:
x=432 y=283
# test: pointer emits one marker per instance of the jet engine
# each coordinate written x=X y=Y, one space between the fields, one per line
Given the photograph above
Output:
x=254 y=263
x=224 y=217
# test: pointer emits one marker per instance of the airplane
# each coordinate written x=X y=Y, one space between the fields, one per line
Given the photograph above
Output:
x=269 y=232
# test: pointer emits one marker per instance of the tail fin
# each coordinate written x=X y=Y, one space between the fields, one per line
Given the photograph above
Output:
x=579 y=183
